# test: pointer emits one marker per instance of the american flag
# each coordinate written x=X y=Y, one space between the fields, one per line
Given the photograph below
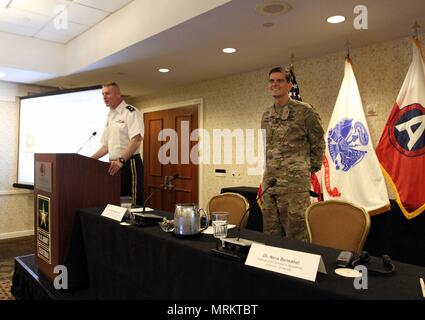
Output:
x=295 y=91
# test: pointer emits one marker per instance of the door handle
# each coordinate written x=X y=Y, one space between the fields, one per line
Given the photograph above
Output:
x=168 y=182
x=166 y=179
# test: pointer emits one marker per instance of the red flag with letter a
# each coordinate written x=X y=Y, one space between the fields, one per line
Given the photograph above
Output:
x=401 y=149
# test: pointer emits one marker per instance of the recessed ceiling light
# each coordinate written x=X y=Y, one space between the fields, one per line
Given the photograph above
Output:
x=273 y=8
x=163 y=70
x=268 y=24
x=2 y=75
x=335 y=19
x=229 y=50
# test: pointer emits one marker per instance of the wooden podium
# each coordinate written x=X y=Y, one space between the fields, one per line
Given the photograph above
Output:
x=63 y=183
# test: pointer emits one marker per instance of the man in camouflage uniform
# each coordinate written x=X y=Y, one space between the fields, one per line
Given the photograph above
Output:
x=294 y=149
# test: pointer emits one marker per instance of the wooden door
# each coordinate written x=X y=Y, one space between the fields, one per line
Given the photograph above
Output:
x=185 y=188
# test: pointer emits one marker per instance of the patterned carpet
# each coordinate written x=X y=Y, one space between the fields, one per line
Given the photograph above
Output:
x=10 y=248
x=6 y=269
x=5 y=286
x=6 y=272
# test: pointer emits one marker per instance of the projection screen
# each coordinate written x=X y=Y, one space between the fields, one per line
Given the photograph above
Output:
x=59 y=123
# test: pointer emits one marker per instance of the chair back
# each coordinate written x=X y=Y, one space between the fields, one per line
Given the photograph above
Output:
x=338 y=224
x=233 y=203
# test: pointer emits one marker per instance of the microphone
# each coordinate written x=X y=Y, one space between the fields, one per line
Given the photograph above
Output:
x=92 y=135
x=145 y=219
x=242 y=245
x=167 y=186
x=313 y=194
x=148 y=198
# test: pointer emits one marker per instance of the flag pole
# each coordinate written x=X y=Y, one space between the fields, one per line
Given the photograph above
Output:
x=415 y=30
x=415 y=36
x=292 y=58
x=347 y=46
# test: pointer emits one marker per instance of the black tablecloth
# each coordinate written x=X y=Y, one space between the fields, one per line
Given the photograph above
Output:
x=146 y=263
x=390 y=233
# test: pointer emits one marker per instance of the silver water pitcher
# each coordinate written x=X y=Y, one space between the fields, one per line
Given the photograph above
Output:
x=187 y=219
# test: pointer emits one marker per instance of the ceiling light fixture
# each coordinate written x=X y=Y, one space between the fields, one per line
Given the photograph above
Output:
x=163 y=70
x=273 y=8
x=229 y=50
x=268 y=24
x=335 y=19
x=2 y=75
x=4 y=3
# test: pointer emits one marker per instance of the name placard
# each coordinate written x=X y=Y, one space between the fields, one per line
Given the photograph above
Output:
x=114 y=212
x=292 y=263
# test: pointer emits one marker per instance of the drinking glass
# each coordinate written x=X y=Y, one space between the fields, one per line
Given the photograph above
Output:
x=219 y=223
x=125 y=202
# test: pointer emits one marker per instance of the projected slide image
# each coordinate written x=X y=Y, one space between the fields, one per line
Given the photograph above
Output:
x=59 y=124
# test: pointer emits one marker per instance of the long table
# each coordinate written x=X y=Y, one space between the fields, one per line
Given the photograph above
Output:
x=129 y=262
x=390 y=233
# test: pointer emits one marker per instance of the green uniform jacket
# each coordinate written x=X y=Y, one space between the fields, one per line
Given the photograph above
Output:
x=294 y=145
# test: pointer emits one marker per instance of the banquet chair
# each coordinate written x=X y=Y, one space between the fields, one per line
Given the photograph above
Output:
x=233 y=203
x=337 y=224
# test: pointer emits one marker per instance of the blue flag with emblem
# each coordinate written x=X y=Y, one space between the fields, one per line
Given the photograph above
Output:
x=351 y=170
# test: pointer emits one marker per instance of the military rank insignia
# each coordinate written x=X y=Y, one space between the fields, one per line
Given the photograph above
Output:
x=130 y=108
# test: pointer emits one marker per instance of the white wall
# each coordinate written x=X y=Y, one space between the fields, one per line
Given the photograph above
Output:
x=31 y=54
x=16 y=205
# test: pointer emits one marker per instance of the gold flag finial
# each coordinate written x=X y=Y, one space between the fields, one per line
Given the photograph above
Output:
x=292 y=58
x=415 y=30
x=347 y=46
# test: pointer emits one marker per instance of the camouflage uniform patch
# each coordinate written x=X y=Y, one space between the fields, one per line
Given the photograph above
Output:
x=294 y=149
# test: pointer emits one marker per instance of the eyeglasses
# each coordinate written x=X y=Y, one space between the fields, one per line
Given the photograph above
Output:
x=271 y=81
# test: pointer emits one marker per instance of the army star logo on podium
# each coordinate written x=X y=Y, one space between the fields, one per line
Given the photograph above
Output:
x=43 y=228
